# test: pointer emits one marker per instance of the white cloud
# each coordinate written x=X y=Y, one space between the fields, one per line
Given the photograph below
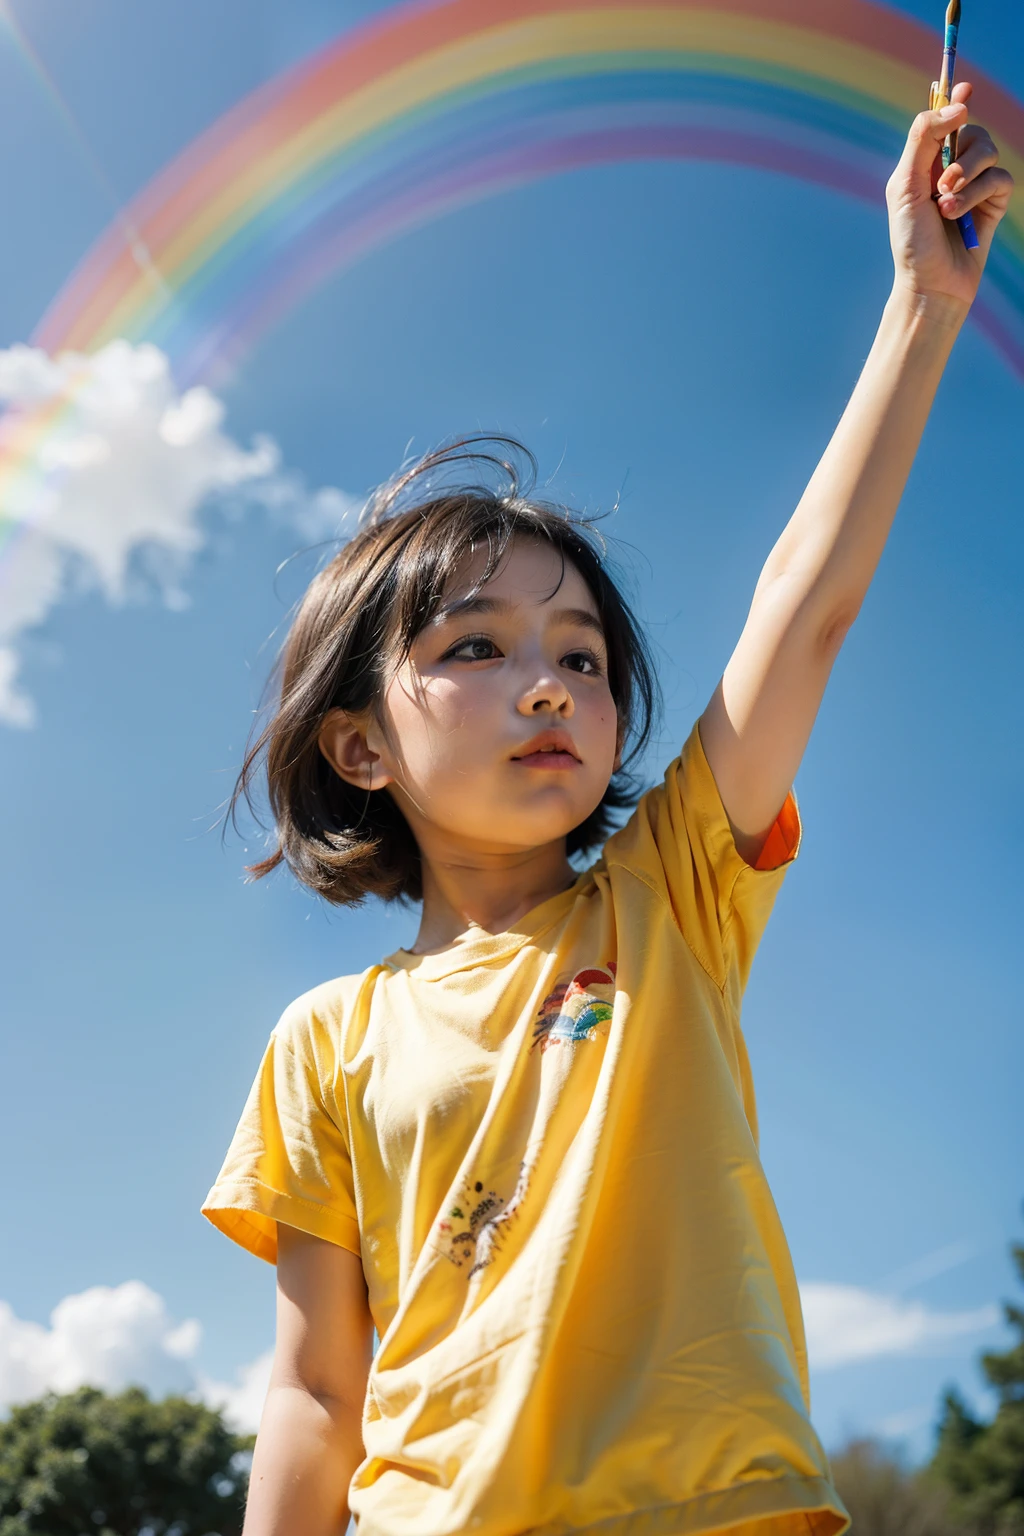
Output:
x=119 y=1336
x=241 y=1403
x=105 y=469
x=845 y=1323
x=107 y=1336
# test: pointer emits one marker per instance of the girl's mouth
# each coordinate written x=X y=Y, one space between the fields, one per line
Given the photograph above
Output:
x=553 y=750
x=552 y=759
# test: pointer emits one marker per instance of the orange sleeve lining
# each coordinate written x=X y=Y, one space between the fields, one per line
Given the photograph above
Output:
x=781 y=842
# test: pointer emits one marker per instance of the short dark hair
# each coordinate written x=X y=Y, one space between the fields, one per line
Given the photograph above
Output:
x=361 y=614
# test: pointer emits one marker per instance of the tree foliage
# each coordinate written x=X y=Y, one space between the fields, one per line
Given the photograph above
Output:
x=983 y=1464
x=885 y=1498
x=119 y=1466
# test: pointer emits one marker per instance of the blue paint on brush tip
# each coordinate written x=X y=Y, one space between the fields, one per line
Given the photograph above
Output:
x=968 y=233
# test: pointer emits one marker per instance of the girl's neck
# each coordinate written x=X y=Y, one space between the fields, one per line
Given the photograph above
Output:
x=468 y=889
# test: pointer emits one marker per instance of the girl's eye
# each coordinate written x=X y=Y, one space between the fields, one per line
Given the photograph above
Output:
x=475 y=648
x=585 y=662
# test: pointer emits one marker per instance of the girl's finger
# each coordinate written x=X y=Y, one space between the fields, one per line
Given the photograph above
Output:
x=975 y=153
x=995 y=184
x=927 y=132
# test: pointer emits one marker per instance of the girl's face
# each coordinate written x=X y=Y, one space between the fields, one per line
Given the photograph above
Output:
x=500 y=729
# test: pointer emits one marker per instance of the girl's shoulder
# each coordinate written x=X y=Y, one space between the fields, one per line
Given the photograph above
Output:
x=319 y=1016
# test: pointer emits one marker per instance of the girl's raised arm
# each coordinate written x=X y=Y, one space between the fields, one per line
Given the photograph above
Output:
x=310 y=1440
x=757 y=724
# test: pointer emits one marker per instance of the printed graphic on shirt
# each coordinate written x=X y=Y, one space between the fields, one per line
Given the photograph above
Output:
x=472 y=1229
x=579 y=1009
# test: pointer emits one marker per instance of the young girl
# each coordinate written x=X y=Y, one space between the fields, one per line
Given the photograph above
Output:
x=525 y=1150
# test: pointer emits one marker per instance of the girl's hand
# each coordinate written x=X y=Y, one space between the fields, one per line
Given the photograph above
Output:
x=927 y=248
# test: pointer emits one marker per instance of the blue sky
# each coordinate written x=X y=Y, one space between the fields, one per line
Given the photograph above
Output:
x=681 y=340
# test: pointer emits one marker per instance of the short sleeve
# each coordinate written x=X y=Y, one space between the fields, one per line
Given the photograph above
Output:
x=289 y=1159
x=679 y=841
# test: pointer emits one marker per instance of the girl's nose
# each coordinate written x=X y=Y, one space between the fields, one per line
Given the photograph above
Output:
x=546 y=695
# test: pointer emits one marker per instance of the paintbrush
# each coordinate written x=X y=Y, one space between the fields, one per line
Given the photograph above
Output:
x=942 y=91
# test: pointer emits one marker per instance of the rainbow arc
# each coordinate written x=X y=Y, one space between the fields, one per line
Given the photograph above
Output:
x=431 y=106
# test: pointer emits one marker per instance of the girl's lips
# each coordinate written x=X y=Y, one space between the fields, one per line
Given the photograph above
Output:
x=550 y=760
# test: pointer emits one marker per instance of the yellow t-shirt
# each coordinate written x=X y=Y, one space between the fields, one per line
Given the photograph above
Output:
x=543 y=1144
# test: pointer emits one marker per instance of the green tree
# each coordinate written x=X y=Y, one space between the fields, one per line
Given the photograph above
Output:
x=983 y=1464
x=120 y=1466
x=885 y=1498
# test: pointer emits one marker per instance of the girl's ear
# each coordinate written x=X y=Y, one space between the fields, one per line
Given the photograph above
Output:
x=342 y=741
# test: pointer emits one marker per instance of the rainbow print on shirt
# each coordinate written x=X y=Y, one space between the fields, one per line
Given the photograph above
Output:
x=580 y=1009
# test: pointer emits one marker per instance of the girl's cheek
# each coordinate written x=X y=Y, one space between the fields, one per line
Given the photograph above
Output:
x=443 y=731
x=441 y=696
x=461 y=708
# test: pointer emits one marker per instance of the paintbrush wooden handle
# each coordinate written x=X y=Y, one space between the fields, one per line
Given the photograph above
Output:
x=936 y=101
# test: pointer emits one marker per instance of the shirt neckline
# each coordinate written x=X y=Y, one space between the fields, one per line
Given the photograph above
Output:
x=476 y=947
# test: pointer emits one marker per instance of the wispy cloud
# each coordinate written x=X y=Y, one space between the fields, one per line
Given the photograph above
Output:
x=105 y=471
x=940 y=1262
x=910 y=1421
x=846 y=1323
